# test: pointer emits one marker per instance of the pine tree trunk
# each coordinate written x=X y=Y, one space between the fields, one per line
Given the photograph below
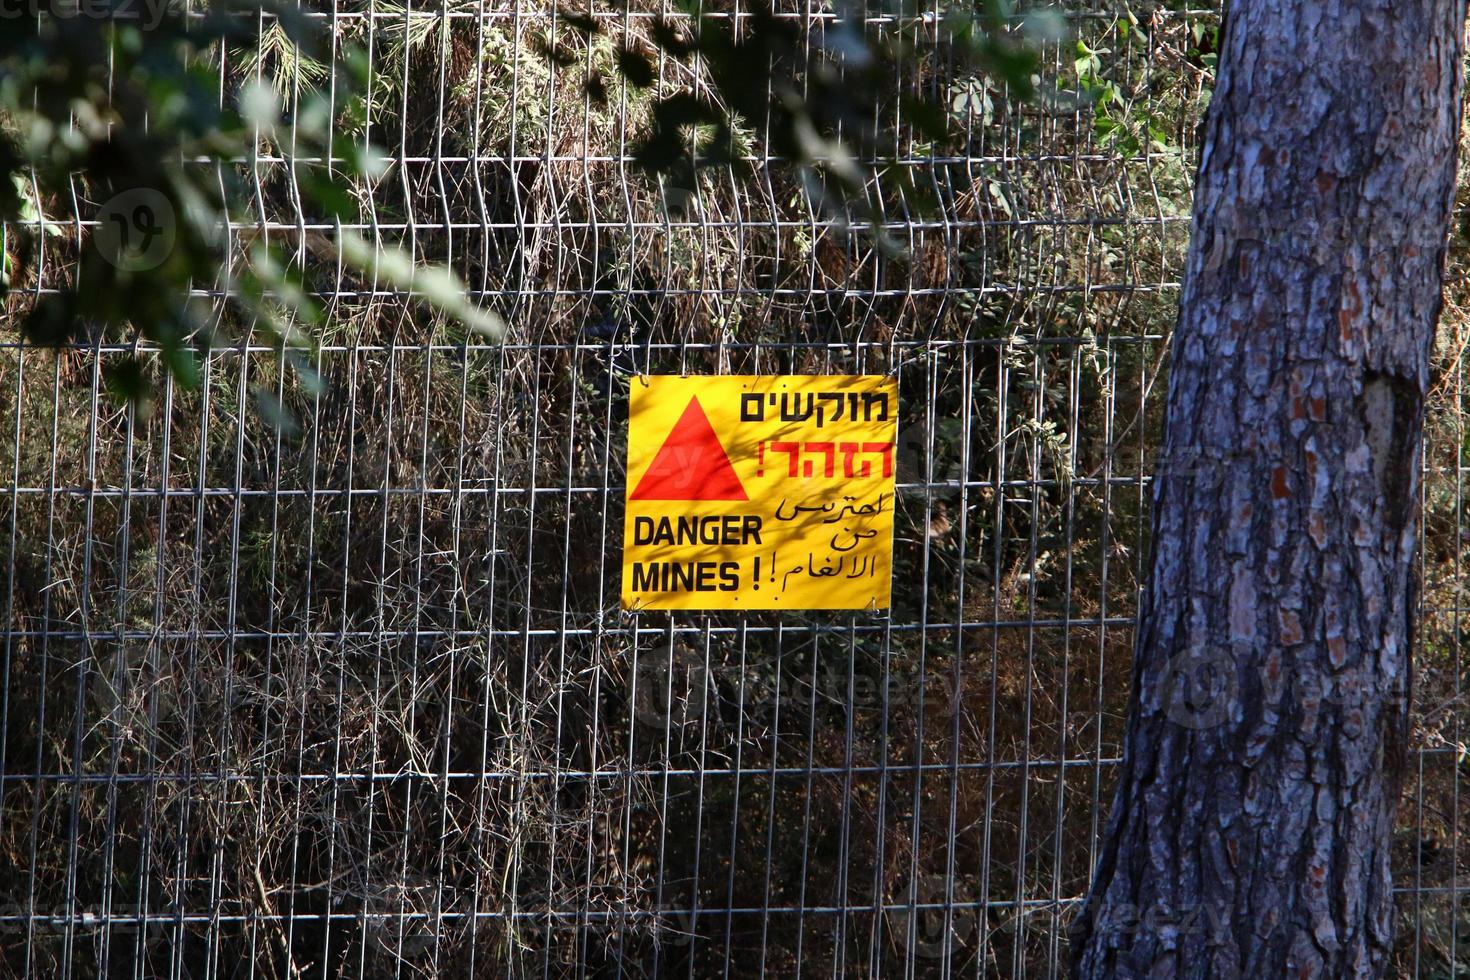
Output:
x=1266 y=737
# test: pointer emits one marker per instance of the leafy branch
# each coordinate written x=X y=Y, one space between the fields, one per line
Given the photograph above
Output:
x=125 y=120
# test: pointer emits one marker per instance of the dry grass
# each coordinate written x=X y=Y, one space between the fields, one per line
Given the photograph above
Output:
x=343 y=719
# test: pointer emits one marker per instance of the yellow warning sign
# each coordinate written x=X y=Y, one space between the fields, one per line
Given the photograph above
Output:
x=760 y=492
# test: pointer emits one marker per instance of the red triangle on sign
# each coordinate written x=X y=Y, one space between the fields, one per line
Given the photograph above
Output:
x=691 y=464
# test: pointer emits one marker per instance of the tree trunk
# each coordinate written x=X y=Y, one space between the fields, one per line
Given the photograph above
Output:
x=1266 y=736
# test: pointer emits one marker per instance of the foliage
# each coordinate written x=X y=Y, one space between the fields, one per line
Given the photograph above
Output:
x=825 y=107
x=112 y=106
x=121 y=108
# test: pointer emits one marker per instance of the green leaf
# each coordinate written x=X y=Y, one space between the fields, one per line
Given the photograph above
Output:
x=127 y=380
x=635 y=67
x=276 y=415
x=583 y=21
x=182 y=363
x=926 y=117
x=327 y=192
x=436 y=284
x=668 y=37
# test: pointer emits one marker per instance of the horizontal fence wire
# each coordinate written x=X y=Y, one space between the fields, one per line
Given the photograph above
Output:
x=350 y=693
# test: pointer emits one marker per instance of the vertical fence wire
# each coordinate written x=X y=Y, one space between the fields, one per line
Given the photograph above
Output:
x=352 y=696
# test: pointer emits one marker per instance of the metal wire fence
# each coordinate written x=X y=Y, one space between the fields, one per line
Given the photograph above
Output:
x=350 y=694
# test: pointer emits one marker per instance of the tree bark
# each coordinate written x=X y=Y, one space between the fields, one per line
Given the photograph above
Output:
x=1266 y=734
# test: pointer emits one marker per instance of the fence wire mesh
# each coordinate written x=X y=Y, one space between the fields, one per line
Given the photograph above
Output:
x=354 y=697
